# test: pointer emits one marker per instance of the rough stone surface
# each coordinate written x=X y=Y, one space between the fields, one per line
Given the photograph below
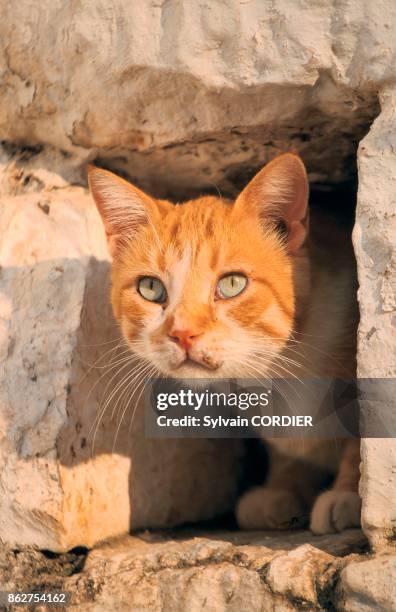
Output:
x=369 y=585
x=185 y=570
x=374 y=241
x=184 y=96
x=63 y=481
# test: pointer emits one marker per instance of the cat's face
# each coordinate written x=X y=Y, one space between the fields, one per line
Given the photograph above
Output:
x=203 y=292
x=205 y=288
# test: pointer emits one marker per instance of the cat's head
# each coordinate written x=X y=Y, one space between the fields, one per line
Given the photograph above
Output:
x=205 y=288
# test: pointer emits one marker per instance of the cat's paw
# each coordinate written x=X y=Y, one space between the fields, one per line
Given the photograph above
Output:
x=334 y=511
x=263 y=508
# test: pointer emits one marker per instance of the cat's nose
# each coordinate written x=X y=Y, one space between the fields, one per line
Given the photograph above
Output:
x=184 y=337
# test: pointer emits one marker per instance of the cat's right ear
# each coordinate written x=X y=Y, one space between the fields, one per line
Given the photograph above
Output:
x=123 y=207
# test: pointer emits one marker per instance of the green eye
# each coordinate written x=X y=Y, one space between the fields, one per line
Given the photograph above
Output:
x=152 y=289
x=231 y=285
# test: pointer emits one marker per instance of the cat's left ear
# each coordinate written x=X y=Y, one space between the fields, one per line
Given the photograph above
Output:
x=279 y=193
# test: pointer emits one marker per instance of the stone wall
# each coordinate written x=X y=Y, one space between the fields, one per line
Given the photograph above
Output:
x=180 y=96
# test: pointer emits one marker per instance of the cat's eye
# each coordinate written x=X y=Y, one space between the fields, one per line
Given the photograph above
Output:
x=231 y=285
x=152 y=289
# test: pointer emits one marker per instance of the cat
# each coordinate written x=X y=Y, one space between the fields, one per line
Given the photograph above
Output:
x=221 y=289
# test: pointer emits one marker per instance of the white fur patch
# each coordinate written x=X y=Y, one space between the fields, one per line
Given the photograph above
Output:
x=177 y=278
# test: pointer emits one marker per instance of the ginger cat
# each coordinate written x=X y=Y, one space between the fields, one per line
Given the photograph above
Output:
x=216 y=288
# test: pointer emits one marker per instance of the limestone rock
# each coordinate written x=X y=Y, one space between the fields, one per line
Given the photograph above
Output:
x=189 y=95
x=302 y=573
x=194 y=570
x=370 y=585
x=374 y=242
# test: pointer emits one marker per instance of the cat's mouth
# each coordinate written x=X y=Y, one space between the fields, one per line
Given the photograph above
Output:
x=205 y=364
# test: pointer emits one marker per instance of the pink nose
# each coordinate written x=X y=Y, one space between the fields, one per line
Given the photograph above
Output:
x=184 y=337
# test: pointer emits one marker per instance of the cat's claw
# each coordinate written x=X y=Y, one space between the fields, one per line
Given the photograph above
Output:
x=263 y=508
x=334 y=511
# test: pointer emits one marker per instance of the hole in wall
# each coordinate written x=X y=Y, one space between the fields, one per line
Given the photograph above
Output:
x=338 y=200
